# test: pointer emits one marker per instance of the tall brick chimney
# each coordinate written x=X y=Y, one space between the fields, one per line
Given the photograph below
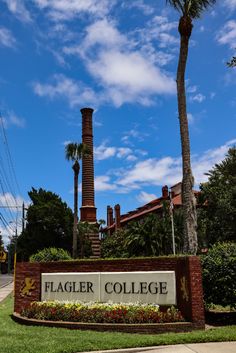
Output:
x=88 y=209
x=117 y=216
x=109 y=216
x=165 y=192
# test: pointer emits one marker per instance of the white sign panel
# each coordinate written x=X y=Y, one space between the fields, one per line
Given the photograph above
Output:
x=117 y=287
x=70 y=286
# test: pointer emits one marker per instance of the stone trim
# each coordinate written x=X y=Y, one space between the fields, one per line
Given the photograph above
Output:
x=129 y=328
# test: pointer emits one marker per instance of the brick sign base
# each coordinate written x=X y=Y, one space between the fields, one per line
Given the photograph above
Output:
x=189 y=293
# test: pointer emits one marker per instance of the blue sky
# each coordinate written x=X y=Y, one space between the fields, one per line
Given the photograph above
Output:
x=118 y=57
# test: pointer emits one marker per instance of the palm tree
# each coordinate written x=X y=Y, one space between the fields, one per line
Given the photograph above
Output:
x=189 y=10
x=75 y=152
x=232 y=63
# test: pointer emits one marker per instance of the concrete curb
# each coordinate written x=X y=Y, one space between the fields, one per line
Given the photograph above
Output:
x=102 y=327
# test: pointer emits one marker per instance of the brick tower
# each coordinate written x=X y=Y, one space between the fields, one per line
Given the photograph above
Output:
x=88 y=211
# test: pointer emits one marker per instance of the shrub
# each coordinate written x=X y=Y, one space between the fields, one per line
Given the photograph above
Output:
x=50 y=254
x=219 y=275
x=100 y=312
x=113 y=245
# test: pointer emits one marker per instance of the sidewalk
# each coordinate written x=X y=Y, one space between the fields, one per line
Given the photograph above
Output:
x=214 y=347
x=6 y=290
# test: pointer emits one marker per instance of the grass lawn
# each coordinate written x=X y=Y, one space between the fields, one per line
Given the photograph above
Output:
x=15 y=338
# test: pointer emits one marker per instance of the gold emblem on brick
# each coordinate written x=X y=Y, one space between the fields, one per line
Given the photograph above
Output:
x=184 y=288
x=27 y=286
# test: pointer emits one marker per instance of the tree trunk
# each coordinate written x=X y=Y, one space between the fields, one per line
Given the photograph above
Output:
x=76 y=168
x=188 y=199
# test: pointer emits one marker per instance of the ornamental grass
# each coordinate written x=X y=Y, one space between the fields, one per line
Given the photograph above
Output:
x=101 y=312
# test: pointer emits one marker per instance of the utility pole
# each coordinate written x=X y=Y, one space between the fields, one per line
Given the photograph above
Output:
x=23 y=217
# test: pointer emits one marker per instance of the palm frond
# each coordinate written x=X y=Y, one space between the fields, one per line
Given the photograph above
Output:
x=191 y=8
x=232 y=63
x=75 y=151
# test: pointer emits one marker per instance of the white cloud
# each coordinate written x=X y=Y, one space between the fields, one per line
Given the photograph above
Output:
x=128 y=75
x=123 y=152
x=8 y=225
x=231 y=4
x=6 y=38
x=134 y=134
x=153 y=171
x=159 y=29
x=76 y=93
x=212 y=95
x=145 y=197
x=104 y=33
x=203 y=163
x=125 y=77
x=131 y=158
x=140 y=5
x=191 y=89
x=69 y=9
x=17 y=7
x=190 y=118
x=7 y=199
x=227 y=34
x=10 y=118
x=103 y=152
x=168 y=170
x=103 y=183
x=13 y=119
x=199 y=98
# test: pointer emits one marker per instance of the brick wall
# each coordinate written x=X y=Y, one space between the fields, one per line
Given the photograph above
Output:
x=187 y=269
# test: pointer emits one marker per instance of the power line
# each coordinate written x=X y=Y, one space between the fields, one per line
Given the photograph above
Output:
x=8 y=153
x=4 y=195
x=8 y=184
x=6 y=224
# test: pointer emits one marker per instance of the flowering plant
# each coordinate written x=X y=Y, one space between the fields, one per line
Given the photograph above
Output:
x=101 y=312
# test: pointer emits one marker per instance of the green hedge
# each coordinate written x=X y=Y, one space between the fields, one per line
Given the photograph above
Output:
x=219 y=275
x=50 y=254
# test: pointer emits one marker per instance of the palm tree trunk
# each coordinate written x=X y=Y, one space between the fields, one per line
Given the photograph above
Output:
x=188 y=199
x=76 y=169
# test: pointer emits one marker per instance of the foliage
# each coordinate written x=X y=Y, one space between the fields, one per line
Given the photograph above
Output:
x=191 y=8
x=75 y=151
x=50 y=254
x=49 y=224
x=151 y=236
x=232 y=63
x=113 y=245
x=217 y=215
x=1 y=241
x=33 y=339
x=84 y=244
x=101 y=312
x=11 y=248
x=219 y=274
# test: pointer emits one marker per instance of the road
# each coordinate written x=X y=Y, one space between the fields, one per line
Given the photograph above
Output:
x=4 y=279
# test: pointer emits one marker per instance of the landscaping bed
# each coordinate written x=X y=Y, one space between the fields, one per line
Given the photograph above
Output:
x=101 y=312
x=135 y=318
